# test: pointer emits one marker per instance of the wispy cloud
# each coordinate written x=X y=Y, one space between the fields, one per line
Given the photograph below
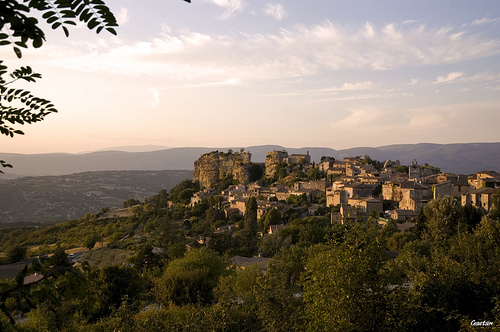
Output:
x=230 y=7
x=365 y=117
x=450 y=77
x=353 y=86
x=483 y=21
x=303 y=50
x=122 y=16
x=231 y=81
x=155 y=100
x=275 y=11
x=432 y=121
x=455 y=77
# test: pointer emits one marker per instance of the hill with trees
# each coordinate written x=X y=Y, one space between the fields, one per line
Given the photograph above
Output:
x=59 y=198
x=187 y=269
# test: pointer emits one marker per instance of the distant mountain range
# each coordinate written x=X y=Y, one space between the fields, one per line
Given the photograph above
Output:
x=457 y=158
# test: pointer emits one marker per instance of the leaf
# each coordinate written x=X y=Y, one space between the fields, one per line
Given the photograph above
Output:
x=93 y=23
x=52 y=19
x=18 y=52
x=48 y=14
x=111 y=30
x=21 y=44
x=37 y=42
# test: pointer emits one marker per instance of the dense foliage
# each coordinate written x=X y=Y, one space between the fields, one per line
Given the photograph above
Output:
x=320 y=277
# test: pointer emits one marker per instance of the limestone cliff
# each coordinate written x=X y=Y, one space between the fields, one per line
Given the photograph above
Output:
x=273 y=158
x=215 y=166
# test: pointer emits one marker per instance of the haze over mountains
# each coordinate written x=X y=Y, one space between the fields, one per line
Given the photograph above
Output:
x=457 y=158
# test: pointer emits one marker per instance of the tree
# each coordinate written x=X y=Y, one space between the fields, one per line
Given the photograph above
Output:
x=250 y=220
x=131 y=202
x=113 y=283
x=280 y=309
x=343 y=287
x=145 y=259
x=91 y=240
x=16 y=254
x=191 y=279
x=273 y=217
x=444 y=217
x=313 y=173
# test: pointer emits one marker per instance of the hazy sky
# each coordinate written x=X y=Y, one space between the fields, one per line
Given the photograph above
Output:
x=219 y=73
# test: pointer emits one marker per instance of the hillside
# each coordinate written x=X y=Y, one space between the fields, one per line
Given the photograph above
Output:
x=55 y=198
x=457 y=158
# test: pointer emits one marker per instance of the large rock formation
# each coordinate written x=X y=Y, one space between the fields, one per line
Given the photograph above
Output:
x=216 y=166
x=273 y=158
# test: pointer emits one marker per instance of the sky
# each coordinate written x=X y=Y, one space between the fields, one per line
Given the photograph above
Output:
x=228 y=73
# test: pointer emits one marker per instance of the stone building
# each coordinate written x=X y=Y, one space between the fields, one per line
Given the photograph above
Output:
x=480 y=198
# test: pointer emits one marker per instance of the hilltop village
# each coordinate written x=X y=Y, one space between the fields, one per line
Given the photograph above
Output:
x=285 y=245
x=354 y=188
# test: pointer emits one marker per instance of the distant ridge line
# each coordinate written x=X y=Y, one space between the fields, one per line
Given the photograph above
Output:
x=463 y=158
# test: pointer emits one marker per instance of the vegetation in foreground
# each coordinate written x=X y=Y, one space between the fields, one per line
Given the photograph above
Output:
x=320 y=276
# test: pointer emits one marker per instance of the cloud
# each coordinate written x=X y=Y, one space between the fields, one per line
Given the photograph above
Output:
x=296 y=52
x=231 y=81
x=483 y=21
x=275 y=11
x=230 y=7
x=155 y=97
x=353 y=86
x=366 y=117
x=459 y=77
x=122 y=16
x=437 y=123
x=450 y=77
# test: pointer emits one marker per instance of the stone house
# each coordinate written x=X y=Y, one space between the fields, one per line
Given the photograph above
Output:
x=274 y=229
x=336 y=197
x=336 y=217
x=394 y=190
x=367 y=204
x=403 y=215
x=485 y=179
x=336 y=168
x=200 y=195
x=480 y=198
x=359 y=189
x=239 y=205
x=320 y=184
x=448 y=184
x=298 y=158
x=351 y=214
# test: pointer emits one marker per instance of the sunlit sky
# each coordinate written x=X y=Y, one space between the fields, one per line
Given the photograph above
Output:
x=220 y=73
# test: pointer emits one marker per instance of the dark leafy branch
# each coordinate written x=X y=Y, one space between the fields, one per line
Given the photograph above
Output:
x=33 y=109
x=18 y=27
x=26 y=294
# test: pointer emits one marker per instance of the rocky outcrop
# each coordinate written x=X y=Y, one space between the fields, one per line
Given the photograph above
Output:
x=216 y=166
x=273 y=158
